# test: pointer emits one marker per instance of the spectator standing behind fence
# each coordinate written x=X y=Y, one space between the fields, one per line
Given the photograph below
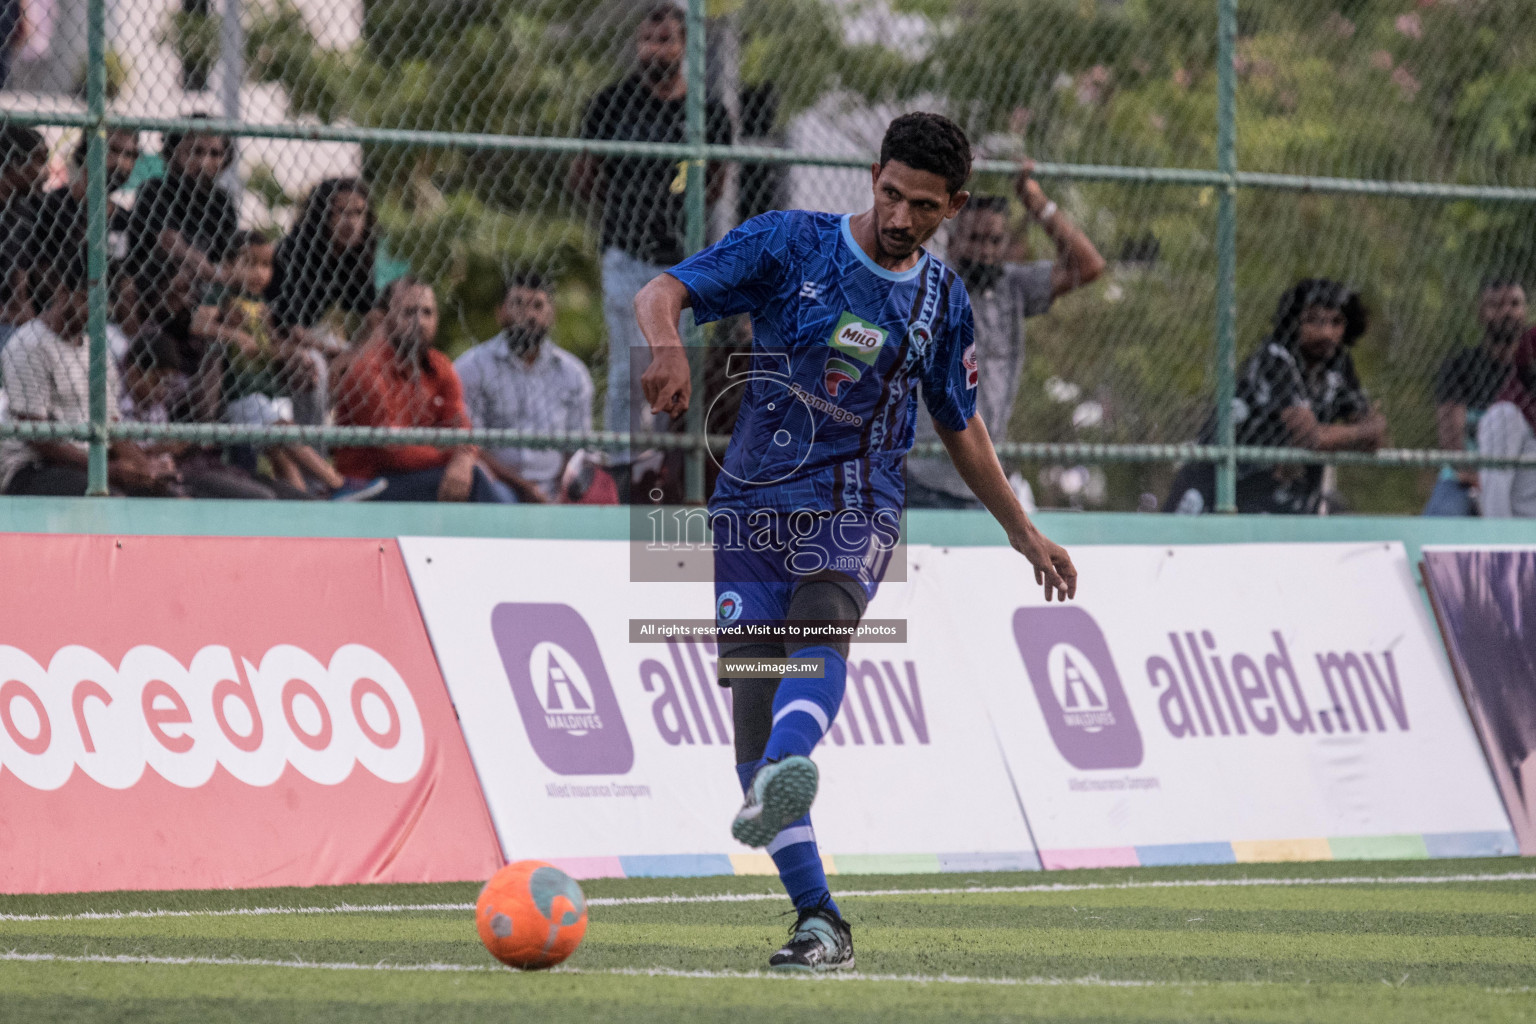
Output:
x=185 y=219
x=521 y=380
x=642 y=198
x=400 y=380
x=1002 y=295
x=62 y=216
x=1468 y=383
x=46 y=369
x=1508 y=430
x=259 y=375
x=1298 y=390
x=23 y=164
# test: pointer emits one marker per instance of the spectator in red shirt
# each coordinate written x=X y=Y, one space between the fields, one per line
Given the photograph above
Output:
x=400 y=380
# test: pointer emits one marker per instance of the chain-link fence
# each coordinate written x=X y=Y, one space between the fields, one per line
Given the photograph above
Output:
x=246 y=192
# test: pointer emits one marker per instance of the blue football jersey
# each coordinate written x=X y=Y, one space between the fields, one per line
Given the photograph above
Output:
x=838 y=344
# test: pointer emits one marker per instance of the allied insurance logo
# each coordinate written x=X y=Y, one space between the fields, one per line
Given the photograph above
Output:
x=1079 y=691
x=562 y=690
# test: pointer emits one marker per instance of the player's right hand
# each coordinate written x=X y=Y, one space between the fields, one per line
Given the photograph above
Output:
x=667 y=383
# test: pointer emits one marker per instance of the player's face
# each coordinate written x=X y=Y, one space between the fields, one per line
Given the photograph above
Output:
x=909 y=207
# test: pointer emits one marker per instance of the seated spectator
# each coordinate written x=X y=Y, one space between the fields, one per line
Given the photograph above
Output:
x=400 y=380
x=46 y=368
x=169 y=307
x=326 y=264
x=23 y=167
x=1506 y=430
x=185 y=219
x=154 y=386
x=1298 y=390
x=521 y=380
x=62 y=214
x=259 y=375
x=1468 y=383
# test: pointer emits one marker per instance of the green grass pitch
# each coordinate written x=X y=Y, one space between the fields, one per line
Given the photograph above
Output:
x=1356 y=942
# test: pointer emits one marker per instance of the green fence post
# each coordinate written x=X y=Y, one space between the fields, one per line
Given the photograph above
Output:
x=1226 y=252
x=96 y=240
x=696 y=184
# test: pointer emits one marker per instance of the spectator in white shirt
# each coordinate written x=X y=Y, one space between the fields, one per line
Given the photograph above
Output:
x=521 y=380
x=1506 y=430
x=46 y=367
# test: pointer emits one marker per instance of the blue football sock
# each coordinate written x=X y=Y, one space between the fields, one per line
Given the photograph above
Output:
x=803 y=709
x=798 y=859
x=795 y=854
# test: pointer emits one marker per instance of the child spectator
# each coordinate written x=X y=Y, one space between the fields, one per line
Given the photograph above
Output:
x=259 y=374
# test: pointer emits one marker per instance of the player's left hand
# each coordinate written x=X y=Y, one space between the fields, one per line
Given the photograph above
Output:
x=1053 y=566
x=668 y=383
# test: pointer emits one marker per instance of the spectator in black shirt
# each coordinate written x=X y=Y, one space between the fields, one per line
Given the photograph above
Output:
x=23 y=166
x=62 y=215
x=642 y=198
x=326 y=262
x=185 y=218
x=1468 y=383
x=1298 y=390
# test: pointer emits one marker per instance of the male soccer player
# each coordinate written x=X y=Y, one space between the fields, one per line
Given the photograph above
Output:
x=849 y=315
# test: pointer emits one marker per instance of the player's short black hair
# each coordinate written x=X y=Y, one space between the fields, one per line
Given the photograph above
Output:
x=529 y=279
x=929 y=142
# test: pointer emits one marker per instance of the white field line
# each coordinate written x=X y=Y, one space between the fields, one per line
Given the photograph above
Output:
x=1091 y=981
x=1088 y=981
x=758 y=897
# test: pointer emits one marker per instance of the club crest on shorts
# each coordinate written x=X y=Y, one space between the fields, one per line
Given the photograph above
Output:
x=972 y=371
x=728 y=608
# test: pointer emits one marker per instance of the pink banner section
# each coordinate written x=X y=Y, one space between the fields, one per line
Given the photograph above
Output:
x=182 y=713
x=1106 y=857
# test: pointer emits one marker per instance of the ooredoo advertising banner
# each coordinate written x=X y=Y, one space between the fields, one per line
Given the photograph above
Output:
x=1486 y=602
x=213 y=712
x=612 y=754
x=1225 y=703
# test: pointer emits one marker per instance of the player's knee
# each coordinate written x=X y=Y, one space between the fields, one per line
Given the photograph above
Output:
x=832 y=599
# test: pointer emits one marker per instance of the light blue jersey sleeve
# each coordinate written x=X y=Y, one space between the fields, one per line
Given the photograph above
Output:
x=949 y=378
x=739 y=273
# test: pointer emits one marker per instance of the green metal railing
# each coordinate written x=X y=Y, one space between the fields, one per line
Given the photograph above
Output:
x=1227 y=179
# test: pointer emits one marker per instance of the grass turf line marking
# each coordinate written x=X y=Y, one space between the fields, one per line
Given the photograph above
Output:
x=1090 y=981
x=1193 y=883
x=758 y=897
x=340 y=908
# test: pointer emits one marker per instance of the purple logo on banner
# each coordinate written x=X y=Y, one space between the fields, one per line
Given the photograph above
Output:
x=562 y=689
x=1078 y=688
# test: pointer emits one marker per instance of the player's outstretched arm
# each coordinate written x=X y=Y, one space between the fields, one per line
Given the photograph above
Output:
x=666 y=383
x=973 y=455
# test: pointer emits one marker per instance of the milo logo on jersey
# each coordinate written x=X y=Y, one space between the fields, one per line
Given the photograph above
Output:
x=853 y=342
